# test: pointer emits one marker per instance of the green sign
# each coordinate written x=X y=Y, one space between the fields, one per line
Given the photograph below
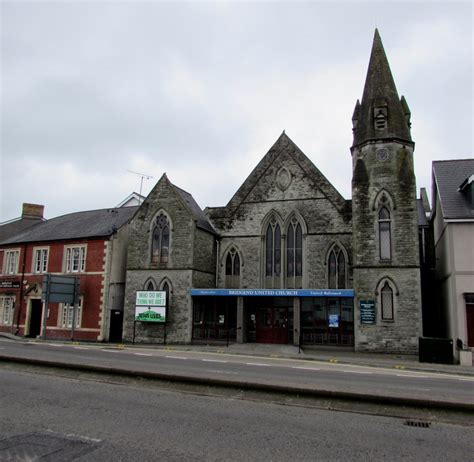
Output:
x=150 y=306
x=367 y=312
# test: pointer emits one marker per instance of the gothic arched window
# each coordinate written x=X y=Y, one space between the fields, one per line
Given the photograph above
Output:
x=273 y=250
x=294 y=254
x=150 y=286
x=385 y=239
x=336 y=268
x=232 y=269
x=386 y=301
x=273 y=254
x=294 y=245
x=160 y=246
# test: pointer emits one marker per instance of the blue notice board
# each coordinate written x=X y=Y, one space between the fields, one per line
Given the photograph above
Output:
x=367 y=312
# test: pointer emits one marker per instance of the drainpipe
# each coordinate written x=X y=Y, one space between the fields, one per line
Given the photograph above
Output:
x=217 y=260
x=21 y=290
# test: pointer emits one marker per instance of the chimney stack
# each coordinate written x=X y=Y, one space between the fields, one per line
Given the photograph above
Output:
x=32 y=211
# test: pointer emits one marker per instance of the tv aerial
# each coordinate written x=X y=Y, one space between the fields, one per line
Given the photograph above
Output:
x=143 y=176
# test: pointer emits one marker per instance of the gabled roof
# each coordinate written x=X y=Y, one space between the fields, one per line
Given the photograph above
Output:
x=201 y=219
x=285 y=144
x=448 y=175
x=16 y=226
x=131 y=200
x=79 y=225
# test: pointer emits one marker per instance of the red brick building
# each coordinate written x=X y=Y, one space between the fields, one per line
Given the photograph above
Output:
x=91 y=245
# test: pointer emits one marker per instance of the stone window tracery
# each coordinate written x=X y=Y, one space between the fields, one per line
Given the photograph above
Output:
x=160 y=247
x=232 y=269
x=273 y=249
x=336 y=268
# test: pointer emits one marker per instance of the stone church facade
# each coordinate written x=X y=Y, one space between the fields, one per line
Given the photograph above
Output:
x=288 y=259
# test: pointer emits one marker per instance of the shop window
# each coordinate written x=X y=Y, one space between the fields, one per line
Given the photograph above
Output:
x=160 y=247
x=337 y=268
x=7 y=307
x=214 y=319
x=75 y=260
x=232 y=269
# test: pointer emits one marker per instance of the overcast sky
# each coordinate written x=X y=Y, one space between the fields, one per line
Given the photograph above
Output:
x=201 y=91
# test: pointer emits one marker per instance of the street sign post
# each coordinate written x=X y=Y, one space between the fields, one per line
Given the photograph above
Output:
x=60 y=289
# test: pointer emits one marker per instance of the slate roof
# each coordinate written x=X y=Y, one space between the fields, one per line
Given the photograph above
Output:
x=448 y=175
x=14 y=227
x=201 y=220
x=79 y=225
x=380 y=90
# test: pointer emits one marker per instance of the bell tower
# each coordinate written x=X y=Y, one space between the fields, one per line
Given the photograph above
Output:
x=384 y=216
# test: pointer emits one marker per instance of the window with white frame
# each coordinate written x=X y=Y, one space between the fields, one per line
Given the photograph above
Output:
x=75 y=261
x=11 y=259
x=67 y=315
x=40 y=263
x=7 y=306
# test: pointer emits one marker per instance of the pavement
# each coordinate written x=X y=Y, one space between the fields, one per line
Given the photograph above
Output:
x=325 y=354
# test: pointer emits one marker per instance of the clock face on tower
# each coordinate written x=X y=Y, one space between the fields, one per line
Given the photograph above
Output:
x=383 y=154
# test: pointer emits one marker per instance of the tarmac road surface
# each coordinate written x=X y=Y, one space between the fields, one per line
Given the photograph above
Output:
x=60 y=418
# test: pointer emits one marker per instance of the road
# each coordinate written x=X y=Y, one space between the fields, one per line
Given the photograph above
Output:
x=285 y=372
x=65 y=419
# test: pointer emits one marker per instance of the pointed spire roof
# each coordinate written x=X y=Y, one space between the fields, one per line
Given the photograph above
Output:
x=381 y=114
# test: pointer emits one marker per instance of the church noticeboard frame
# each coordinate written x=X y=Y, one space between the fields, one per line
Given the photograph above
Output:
x=367 y=312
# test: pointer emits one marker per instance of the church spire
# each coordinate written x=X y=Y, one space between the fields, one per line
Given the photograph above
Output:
x=381 y=115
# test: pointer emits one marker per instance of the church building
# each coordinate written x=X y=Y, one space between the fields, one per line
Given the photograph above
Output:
x=289 y=260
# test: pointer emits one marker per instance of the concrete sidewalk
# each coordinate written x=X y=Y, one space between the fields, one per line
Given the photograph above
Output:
x=324 y=354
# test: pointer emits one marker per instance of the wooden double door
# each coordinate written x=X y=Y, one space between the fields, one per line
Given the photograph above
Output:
x=272 y=325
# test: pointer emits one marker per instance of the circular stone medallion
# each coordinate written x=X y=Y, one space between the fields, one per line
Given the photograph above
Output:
x=283 y=179
x=383 y=154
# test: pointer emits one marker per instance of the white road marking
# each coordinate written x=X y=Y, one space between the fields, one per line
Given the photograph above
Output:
x=467 y=380
x=221 y=372
x=358 y=372
x=113 y=351
x=413 y=376
x=143 y=354
x=213 y=360
x=81 y=348
x=175 y=357
x=305 y=368
x=258 y=364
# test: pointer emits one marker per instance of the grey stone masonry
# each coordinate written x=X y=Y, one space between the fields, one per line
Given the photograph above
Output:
x=191 y=263
x=283 y=189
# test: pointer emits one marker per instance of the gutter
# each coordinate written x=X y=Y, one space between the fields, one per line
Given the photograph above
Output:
x=21 y=291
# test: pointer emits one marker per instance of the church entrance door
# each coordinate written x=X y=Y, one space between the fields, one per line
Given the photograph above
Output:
x=272 y=325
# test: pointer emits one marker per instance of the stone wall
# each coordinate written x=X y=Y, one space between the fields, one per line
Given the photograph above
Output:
x=373 y=174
